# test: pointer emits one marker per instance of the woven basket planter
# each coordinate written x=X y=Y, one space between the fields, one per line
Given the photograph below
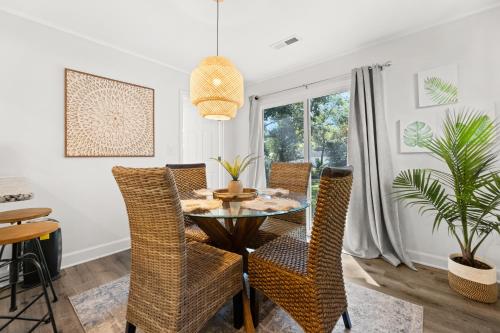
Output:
x=477 y=284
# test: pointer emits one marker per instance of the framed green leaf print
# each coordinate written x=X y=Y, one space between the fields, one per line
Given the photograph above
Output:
x=438 y=86
x=415 y=131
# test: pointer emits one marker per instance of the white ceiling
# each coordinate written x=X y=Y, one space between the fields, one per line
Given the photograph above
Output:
x=178 y=33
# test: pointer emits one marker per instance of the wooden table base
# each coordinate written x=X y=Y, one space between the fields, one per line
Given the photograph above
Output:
x=230 y=236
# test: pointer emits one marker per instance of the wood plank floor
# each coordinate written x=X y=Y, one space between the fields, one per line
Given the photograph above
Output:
x=444 y=310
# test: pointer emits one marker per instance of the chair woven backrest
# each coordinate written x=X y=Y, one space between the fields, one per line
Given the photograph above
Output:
x=189 y=177
x=158 y=277
x=324 y=262
x=293 y=177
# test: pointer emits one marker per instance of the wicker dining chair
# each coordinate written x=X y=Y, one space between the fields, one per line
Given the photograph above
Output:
x=295 y=178
x=190 y=177
x=306 y=279
x=175 y=286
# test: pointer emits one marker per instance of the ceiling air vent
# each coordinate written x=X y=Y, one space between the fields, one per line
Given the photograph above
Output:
x=285 y=42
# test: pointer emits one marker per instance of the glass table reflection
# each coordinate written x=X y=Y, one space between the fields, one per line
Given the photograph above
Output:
x=232 y=227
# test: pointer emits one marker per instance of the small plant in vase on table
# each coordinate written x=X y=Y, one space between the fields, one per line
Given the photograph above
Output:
x=235 y=169
x=466 y=197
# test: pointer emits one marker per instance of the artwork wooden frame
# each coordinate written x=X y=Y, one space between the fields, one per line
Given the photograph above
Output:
x=105 y=117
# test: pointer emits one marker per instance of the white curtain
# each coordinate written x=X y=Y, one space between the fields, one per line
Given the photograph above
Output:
x=256 y=171
x=372 y=229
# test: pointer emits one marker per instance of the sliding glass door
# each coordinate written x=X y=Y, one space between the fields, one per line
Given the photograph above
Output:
x=329 y=115
x=313 y=129
x=284 y=134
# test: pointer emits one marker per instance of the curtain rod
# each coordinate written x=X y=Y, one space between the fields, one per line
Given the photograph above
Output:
x=306 y=85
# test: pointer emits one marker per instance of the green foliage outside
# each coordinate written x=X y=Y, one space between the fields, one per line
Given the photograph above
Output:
x=284 y=134
x=329 y=118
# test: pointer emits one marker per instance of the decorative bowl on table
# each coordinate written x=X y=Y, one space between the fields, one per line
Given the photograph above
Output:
x=226 y=196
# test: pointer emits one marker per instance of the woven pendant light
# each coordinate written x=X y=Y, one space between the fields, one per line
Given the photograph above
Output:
x=216 y=86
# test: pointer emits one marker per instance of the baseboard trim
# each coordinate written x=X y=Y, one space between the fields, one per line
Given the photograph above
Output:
x=103 y=250
x=94 y=252
x=434 y=261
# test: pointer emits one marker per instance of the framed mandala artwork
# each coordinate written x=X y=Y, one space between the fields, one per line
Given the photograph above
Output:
x=106 y=117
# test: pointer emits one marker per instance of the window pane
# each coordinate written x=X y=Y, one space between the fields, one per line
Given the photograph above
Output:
x=284 y=134
x=329 y=116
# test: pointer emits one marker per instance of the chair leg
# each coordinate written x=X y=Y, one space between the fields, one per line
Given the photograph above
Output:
x=45 y=268
x=39 y=269
x=254 y=306
x=129 y=328
x=14 y=276
x=238 y=310
x=347 y=320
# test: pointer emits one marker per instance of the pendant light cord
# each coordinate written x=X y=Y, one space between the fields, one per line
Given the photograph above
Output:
x=217 y=27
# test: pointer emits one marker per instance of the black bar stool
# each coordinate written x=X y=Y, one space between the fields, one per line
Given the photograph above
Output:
x=16 y=235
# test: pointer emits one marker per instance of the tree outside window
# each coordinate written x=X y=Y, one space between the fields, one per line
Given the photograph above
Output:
x=329 y=118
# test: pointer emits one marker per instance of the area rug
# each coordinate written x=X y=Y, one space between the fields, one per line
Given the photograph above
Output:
x=102 y=310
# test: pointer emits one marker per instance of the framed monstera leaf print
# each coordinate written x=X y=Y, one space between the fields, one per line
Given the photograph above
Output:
x=415 y=132
x=438 y=86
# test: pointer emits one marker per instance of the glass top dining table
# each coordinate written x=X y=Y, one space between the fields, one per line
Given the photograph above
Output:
x=234 y=210
x=233 y=227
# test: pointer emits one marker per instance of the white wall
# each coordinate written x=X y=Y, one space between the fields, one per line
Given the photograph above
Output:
x=81 y=191
x=473 y=44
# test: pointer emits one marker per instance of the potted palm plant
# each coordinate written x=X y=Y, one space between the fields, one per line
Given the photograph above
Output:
x=235 y=169
x=465 y=197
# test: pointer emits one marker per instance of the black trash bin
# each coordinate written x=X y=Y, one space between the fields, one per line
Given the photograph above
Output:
x=52 y=250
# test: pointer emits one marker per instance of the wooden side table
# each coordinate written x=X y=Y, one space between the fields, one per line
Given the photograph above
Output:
x=18 y=216
x=25 y=214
